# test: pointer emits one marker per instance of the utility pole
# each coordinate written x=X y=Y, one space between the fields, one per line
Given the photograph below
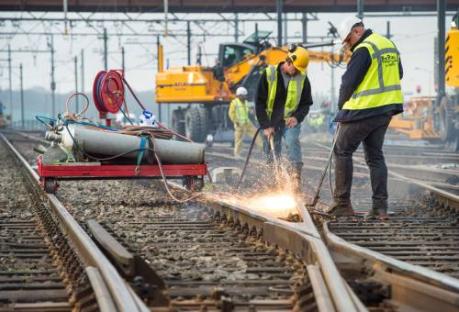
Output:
x=360 y=9
x=236 y=27
x=105 y=38
x=441 y=8
x=304 y=28
x=22 y=95
x=285 y=28
x=53 y=81
x=388 y=34
x=188 y=41
x=82 y=70
x=123 y=64
x=75 y=60
x=279 y=9
x=10 y=83
x=332 y=86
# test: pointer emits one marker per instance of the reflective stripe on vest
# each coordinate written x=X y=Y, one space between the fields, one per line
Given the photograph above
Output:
x=381 y=84
x=294 y=90
x=242 y=111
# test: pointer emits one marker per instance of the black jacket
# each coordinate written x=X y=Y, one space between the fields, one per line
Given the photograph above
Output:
x=277 y=117
x=356 y=70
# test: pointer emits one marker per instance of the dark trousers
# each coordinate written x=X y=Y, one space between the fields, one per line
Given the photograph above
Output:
x=371 y=132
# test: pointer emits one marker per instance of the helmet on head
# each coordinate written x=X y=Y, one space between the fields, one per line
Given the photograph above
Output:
x=299 y=57
x=347 y=25
x=241 y=91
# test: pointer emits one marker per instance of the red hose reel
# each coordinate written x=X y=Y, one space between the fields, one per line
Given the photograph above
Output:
x=108 y=91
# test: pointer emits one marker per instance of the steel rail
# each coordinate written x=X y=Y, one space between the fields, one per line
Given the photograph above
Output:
x=421 y=288
x=302 y=238
x=121 y=296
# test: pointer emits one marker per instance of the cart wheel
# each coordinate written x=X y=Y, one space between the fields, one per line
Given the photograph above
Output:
x=51 y=186
x=194 y=184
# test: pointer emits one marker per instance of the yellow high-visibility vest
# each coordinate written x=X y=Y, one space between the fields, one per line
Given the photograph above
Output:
x=242 y=111
x=294 y=90
x=381 y=84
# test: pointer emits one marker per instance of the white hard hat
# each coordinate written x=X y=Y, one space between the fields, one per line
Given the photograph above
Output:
x=241 y=91
x=346 y=26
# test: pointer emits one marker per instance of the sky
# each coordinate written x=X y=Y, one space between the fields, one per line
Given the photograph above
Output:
x=414 y=36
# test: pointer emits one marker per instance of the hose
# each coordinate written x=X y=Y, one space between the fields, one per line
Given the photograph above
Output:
x=254 y=139
x=85 y=108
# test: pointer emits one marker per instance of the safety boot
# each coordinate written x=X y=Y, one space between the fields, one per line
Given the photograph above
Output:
x=378 y=210
x=341 y=209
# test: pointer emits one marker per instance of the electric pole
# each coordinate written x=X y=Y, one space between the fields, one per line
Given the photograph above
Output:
x=105 y=49
x=82 y=70
x=10 y=82
x=77 y=110
x=53 y=81
x=22 y=95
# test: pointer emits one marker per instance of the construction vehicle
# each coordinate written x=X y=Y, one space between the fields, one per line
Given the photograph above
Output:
x=436 y=119
x=207 y=91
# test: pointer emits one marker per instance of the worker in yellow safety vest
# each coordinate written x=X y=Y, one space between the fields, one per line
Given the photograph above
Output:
x=239 y=114
x=370 y=94
x=282 y=102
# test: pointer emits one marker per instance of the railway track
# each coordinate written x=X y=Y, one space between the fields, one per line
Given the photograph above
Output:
x=400 y=259
x=205 y=256
x=238 y=232
x=48 y=263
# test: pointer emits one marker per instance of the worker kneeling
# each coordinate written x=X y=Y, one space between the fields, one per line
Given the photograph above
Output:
x=239 y=115
x=282 y=103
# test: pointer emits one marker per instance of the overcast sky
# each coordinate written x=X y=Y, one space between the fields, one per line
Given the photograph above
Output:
x=414 y=37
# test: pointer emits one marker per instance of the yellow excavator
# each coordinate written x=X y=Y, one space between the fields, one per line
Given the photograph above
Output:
x=207 y=91
x=423 y=117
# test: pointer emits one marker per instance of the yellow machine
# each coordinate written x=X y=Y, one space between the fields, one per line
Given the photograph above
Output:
x=207 y=91
x=426 y=119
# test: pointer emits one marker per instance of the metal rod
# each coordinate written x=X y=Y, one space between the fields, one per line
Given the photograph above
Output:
x=105 y=49
x=279 y=9
x=22 y=95
x=441 y=8
x=10 y=78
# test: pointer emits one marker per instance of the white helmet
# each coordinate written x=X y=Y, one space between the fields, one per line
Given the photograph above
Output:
x=241 y=91
x=346 y=26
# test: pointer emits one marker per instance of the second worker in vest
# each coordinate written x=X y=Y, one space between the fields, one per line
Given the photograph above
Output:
x=370 y=95
x=238 y=112
x=282 y=102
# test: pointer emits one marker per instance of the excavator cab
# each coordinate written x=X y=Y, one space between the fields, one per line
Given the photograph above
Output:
x=232 y=53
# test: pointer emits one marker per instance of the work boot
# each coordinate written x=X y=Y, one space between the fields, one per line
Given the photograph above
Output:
x=378 y=210
x=341 y=209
